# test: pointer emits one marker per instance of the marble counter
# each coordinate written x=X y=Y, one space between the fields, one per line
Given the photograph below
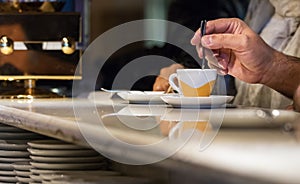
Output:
x=234 y=145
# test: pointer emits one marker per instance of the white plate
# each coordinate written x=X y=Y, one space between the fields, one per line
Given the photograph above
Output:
x=14 y=154
x=6 y=167
x=63 y=174
x=54 y=145
x=36 y=178
x=196 y=102
x=72 y=172
x=23 y=173
x=68 y=166
x=13 y=147
x=8 y=179
x=24 y=179
x=19 y=135
x=18 y=141
x=22 y=166
x=12 y=160
x=67 y=159
x=102 y=179
x=62 y=153
x=7 y=173
x=139 y=97
x=115 y=91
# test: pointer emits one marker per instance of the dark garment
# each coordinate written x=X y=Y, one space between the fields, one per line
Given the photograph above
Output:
x=188 y=13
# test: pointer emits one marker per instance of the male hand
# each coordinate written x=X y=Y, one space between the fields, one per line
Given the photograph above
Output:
x=239 y=50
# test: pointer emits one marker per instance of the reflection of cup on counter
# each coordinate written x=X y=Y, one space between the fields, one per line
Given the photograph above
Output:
x=183 y=123
x=194 y=82
x=187 y=129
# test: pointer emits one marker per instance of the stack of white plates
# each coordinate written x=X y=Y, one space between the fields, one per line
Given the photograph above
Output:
x=22 y=172
x=54 y=156
x=13 y=149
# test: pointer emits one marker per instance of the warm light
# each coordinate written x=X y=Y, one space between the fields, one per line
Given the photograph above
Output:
x=6 y=45
x=68 y=45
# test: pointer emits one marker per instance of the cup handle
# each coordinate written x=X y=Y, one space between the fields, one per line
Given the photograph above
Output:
x=175 y=131
x=172 y=83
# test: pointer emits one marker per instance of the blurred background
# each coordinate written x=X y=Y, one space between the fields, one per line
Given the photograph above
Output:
x=96 y=17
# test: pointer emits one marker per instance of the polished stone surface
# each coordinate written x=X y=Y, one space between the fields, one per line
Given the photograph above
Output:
x=258 y=144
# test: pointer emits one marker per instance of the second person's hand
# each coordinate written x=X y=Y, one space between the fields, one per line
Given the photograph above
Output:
x=162 y=81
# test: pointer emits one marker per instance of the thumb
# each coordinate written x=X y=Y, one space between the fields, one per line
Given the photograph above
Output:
x=228 y=41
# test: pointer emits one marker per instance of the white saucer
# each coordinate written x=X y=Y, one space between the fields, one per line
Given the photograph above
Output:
x=19 y=135
x=54 y=144
x=6 y=167
x=68 y=172
x=140 y=97
x=12 y=160
x=9 y=179
x=68 y=166
x=17 y=141
x=14 y=154
x=36 y=178
x=23 y=173
x=196 y=102
x=92 y=159
x=22 y=166
x=100 y=179
x=13 y=147
x=62 y=153
x=24 y=179
x=65 y=174
x=7 y=173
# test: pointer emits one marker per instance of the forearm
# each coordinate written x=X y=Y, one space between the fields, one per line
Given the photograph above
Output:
x=284 y=74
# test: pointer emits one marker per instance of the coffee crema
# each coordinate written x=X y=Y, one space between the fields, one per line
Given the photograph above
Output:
x=204 y=90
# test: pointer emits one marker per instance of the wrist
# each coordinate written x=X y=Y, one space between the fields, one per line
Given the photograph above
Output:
x=282 y=74
x=269 y=75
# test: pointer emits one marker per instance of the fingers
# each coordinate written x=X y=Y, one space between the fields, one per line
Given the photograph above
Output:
x=167 y=71
x=161 y=84
x=197 y=38
x=228 y=41
x=162 y=81
x=227 y=25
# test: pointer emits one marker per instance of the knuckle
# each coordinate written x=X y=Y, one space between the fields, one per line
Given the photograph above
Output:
x=245 y=41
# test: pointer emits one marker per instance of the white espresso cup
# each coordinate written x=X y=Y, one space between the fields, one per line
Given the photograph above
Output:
x=194 y=82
